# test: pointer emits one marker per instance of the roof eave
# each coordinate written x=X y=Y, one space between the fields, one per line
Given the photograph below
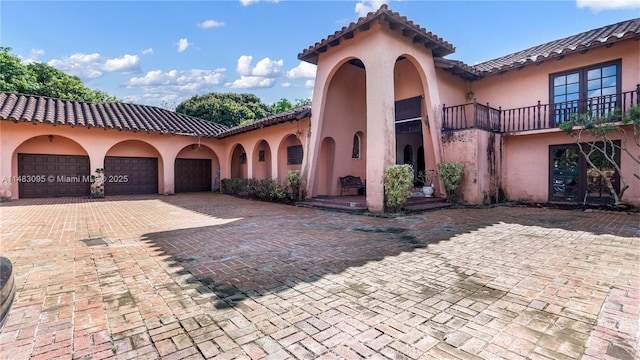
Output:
x=396 y=23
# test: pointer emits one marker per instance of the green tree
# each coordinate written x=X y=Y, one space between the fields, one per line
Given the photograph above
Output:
x=44 y=80
x=228 y=109
x=302 y=102
x=282 y=106
x=14 y=76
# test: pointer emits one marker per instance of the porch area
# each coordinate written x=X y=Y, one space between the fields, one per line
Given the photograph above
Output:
x=358 y=203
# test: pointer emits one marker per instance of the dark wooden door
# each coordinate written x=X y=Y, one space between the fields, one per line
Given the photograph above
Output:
x=41 y=175
x=130 y=175
x=193 y=175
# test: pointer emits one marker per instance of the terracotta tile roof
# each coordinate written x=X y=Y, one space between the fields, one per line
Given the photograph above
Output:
x=396 y=22
x=606 y=35
x=289 y=115
x=107 y=115
x=458 y=68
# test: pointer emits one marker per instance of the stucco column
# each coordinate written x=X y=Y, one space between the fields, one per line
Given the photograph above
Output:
x=6 y=153
x=96 y=161
x=381 y=142
x=166 y=168
x=314 y=133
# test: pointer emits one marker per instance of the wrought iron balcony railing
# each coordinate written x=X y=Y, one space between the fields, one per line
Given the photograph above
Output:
x=536 y=117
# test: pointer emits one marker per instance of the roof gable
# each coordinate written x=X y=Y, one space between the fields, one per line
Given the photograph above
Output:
x=395 y=21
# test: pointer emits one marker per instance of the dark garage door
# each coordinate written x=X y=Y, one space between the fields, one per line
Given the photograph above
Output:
x=130 y=175
x=42 y=175
x=193 y=175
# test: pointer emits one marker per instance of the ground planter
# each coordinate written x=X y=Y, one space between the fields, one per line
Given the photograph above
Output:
x=7 y=288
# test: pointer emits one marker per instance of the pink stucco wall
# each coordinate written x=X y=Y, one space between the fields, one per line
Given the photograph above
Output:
x=479 y=151
x=526 y=165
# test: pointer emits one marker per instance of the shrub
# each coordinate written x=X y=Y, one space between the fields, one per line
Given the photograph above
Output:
x=398 y=181
x=451 y=175
x=265 y=189
x=293 y=180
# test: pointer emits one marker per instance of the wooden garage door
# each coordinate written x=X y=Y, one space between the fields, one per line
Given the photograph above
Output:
x=41 y=175
x=130 y=175
x=193 y=175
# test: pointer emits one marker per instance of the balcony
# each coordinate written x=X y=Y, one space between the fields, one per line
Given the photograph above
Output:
x=536 y=117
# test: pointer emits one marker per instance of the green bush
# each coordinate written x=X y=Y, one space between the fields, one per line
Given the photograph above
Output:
x=293 y=180
x=451 y=176
x=265 y=189
x=398 y=182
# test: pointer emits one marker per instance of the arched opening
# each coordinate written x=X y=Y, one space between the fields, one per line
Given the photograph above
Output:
x=51 y=166
x=355 y=152
x=410 y=117
x=344 y=127
x=196 y=168
x=132 y=167
x=329 y=184
x=239 y=163
x=408 y=155
x=262 y=161
x=290 y=155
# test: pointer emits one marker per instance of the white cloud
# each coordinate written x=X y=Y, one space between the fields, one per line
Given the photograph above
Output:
x=268 y=68
x=599 y=5
x=208 y=24
x=126 y=64
x=264 y=68
x=366 y=6
x=183 y=44
x=158 y=86
x=92 y=66
x=34 y=54
x=148 y=51
x=309 y=84
x=251 y=82
x=185 y=79
x=286 y=85
x=304 y=70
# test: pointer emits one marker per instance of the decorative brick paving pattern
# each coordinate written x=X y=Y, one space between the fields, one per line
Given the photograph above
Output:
x=211 y=276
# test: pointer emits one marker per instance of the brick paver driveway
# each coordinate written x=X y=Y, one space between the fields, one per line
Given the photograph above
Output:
x=207 y=275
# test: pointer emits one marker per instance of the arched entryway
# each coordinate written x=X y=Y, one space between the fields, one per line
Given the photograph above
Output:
x=327 y=185
x=51 y=166
x=196 y=168
x=411 y=139
x=262 y=160
x=239 y=162
x=132 y=167
x=290 y=155
x=344 y=127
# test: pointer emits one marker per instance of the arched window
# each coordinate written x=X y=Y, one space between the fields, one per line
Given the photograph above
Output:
x=408 y=155
x=355 y=153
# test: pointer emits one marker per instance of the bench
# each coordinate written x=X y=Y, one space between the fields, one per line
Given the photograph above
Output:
x=351 y=182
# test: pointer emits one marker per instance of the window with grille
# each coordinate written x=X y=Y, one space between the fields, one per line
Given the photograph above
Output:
x=294 y=155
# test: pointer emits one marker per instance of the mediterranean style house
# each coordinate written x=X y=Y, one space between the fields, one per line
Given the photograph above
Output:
x=385 y=93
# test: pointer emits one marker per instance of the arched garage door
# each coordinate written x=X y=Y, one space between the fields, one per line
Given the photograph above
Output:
x=41 y=175
x=193 y=175
x=130 y=175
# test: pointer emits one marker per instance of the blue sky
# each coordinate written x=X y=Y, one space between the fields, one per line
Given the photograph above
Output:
x=162 y=52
